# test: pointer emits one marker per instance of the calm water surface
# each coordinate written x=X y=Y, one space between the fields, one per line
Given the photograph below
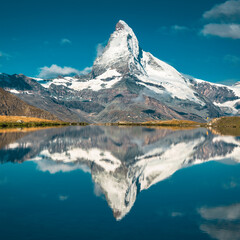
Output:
x=119 y=183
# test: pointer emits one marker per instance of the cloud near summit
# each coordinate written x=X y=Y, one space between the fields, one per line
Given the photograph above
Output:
x=55 y=71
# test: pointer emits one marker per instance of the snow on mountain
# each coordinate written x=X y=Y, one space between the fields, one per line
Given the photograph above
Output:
x=160 y=163
x=94 y=155
x=105 y=80
x=123 y=55
x=95 y=84
x=127 y=84
x=229 y=100
x=162 y=74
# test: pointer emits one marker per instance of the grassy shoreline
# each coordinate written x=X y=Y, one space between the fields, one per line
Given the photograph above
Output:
x=225 y=126
x=165 y=123
x=28 y=122
x=222 y=124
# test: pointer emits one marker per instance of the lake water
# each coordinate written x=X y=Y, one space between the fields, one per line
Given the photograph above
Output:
x=104 y=183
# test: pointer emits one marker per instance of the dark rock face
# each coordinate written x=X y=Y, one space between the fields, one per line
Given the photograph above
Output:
x=219 y=94
x=237 y=105
x=119 y=26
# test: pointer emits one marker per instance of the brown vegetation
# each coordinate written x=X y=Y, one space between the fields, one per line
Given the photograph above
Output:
x=11 y=105
x=173 y=122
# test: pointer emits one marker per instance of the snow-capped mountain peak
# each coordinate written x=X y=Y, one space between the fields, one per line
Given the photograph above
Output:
x=121 y=53
x=122 y=31
x=128 y=84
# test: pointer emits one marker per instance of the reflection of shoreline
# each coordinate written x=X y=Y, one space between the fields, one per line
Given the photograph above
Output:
x=230 y=131
x=30 y=129
x=122 y=161
x=10 y=135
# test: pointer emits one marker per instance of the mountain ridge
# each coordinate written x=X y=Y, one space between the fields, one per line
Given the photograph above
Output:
x=128 y=84
x=12 y=105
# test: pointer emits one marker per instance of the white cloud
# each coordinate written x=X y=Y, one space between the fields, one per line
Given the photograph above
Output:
x=228 y=10
x=55 y=70
x=65 y=41
x=173 y=29
x=86 y=70
x=179 y=28
x=100 y=48
x=222 y=30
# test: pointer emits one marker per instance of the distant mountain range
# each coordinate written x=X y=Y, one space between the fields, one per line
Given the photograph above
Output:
x=126 y=84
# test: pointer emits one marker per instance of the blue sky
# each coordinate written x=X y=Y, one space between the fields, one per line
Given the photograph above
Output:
x=199 y=38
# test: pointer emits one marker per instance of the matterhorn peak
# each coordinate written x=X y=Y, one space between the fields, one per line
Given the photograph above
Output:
x=122 y=26
x=122 y=52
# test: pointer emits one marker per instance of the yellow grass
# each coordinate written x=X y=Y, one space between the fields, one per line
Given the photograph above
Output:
x=25 y=129
x=24 y=119
x=173 y=122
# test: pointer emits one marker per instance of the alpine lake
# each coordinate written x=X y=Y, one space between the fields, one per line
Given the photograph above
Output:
x=111 y=182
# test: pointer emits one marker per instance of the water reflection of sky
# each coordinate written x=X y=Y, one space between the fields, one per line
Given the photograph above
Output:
x=67 y=183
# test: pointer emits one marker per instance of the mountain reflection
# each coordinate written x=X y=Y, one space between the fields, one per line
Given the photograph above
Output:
x=122 y=161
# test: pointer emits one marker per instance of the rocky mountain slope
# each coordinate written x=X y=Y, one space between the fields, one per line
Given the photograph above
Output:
x=13 y=106
x=127 y=84
x=31 y=92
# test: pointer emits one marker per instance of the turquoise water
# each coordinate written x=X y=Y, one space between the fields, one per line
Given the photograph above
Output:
x=119 y=183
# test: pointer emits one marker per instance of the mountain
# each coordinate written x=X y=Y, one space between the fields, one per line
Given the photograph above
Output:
x=121 y=164
x=33 y=93
x=13 y=106
x=127 y=84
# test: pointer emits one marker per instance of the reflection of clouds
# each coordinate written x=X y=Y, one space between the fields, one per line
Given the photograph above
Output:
x=176 y=214
x=97 y=190
x=231 y=212
x=54 y=167
x=122 y=161
x=222 y=232
x=223 y=222
x=3 y=181
x=230 y=185
x=63 y=197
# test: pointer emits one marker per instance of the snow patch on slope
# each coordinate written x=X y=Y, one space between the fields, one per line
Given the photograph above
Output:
x=102 y=158
x=162 y=74
x=105 y=80
x=160 y=163
x=230 y=105
x=98 y=83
